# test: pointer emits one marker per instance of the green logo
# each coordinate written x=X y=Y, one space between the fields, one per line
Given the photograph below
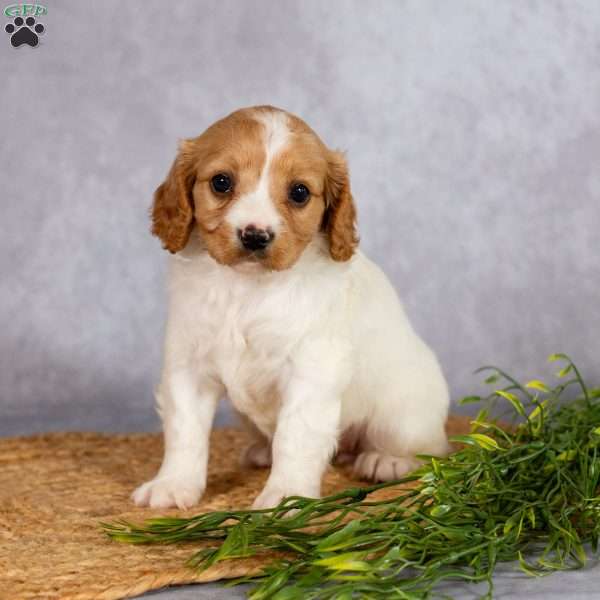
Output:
x=25 y=10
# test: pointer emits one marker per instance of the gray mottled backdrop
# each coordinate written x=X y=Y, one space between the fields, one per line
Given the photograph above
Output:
x=473 y=135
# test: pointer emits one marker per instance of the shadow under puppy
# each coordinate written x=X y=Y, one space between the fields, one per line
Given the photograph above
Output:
x=272 y=303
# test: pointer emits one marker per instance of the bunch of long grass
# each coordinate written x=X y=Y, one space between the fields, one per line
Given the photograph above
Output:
x=528 y=492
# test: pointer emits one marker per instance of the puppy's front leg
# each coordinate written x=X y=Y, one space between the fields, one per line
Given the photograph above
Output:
x=305 y=436
x=187 y=408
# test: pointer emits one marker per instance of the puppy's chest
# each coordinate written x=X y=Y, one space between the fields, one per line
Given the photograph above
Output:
x=246 y=337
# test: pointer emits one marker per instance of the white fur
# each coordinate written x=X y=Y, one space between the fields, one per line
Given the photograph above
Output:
x=304 y=354
x=257 y=207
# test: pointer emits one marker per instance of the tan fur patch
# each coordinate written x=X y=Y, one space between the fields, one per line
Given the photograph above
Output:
x=232 y=146
x=302 y=161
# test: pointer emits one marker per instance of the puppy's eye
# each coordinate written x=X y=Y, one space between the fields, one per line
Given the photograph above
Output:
x=299 y=194
x=221 y=184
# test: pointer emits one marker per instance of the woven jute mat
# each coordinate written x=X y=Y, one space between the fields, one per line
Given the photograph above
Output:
x=56 y=488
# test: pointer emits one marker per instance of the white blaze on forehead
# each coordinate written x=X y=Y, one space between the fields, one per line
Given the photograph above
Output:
x=276 y=132
x=257 y=207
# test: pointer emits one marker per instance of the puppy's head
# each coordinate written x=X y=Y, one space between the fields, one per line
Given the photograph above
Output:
x=260 y=185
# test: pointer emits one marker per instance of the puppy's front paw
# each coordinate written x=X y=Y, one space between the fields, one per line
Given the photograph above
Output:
x=165 y=492
x=272 y=495
x=383 y=467
x=268 y=498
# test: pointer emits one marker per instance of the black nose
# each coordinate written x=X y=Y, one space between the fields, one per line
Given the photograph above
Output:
x=255 y=239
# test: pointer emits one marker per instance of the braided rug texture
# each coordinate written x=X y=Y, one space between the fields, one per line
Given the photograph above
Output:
x=55 y=489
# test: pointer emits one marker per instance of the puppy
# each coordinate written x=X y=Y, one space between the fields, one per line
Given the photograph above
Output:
x=272 y=303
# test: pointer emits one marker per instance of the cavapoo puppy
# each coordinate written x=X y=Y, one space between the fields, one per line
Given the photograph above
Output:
x=272 y=304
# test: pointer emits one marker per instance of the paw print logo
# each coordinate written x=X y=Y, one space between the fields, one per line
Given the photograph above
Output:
x=24 y=32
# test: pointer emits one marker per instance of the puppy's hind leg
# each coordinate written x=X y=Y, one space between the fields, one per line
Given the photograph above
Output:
x=258 y=453
x=391 y=452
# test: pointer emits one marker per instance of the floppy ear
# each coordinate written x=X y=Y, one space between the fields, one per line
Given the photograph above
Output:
x=340 y=215
x=173 y=207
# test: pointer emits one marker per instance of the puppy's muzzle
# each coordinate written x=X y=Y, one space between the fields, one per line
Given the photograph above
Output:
x=254 y=239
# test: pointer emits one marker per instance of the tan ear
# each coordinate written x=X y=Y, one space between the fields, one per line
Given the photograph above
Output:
x=173 y=208
x=340 y=213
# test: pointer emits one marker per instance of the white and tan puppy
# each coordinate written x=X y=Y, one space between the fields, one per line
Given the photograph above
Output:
x=272 y=304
